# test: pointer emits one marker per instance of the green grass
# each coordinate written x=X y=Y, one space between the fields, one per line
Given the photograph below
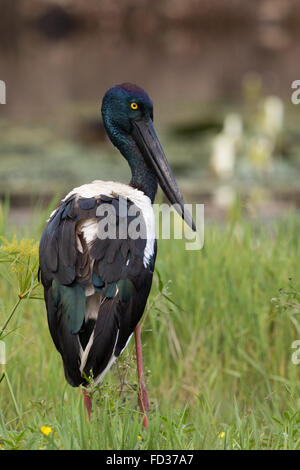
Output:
x=217 y=353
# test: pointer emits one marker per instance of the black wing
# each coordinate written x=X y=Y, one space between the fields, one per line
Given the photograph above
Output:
x=95 y=290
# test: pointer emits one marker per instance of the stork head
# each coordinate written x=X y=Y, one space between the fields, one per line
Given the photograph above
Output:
x=127 y=113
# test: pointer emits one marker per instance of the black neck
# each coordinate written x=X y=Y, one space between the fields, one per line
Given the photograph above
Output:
x=142 y=177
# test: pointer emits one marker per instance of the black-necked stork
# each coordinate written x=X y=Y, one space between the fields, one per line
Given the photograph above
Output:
x=96 y=286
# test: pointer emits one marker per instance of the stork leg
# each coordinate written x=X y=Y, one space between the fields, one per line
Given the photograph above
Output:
x=142 y=393
x=87 y=404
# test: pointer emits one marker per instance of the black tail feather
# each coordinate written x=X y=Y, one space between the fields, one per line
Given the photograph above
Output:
x=105 y=336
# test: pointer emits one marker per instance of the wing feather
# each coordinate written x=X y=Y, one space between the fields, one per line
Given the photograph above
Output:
x=95 y=288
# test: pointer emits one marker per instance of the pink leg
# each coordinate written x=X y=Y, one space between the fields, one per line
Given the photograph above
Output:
x=87 y=404
x=142 y=394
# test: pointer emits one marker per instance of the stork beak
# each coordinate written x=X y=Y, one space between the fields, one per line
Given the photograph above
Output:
x=146 y=138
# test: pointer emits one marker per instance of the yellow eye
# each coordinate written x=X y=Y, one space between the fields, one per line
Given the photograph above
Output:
x=134 y=106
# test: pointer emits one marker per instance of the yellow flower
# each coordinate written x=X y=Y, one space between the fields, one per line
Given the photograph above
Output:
x=221 y=435
x=139 y=437
x=46 y=430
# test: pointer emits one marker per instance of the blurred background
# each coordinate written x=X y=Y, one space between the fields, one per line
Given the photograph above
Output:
x=220 y=324
x=220 y=76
